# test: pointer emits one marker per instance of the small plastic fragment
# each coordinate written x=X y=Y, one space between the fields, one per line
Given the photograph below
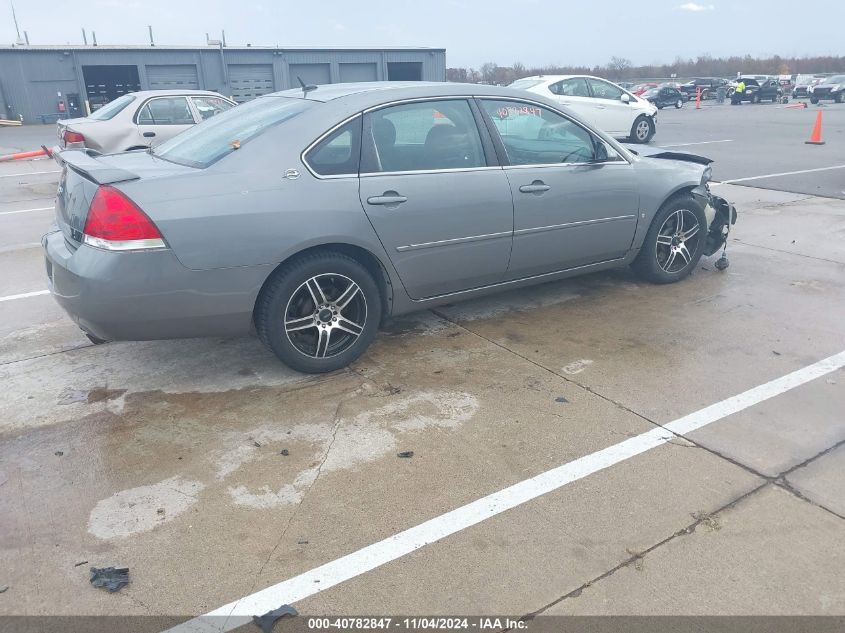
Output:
x=267 y=620
x=111 y=578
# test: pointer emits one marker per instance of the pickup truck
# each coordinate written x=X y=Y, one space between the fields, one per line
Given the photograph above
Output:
x=708 y=87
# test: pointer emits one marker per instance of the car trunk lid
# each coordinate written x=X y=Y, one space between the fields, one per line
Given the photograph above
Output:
x=83 y=171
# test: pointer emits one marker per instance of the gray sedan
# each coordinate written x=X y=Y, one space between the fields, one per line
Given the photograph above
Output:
x=313 y=214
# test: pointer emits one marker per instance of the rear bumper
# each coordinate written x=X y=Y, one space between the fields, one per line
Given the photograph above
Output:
x=148 y=295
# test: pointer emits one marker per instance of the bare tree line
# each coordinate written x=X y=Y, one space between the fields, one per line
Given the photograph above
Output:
x=621 y=69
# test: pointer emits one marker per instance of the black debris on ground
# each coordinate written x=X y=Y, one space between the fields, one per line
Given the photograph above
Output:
x=267 y=620
x=80 y=563
x=4 y=588
x=561 y=399
x=405 y=454
x=302 y=542
x=111 y=578
x=284 y=452
x=59 y=453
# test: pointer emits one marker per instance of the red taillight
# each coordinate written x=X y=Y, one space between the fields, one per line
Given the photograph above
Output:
x=115 y=218
x=73 y=137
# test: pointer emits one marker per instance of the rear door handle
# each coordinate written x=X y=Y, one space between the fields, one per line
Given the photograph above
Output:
x=149 y=134
x=387 y=199
x=538 y=186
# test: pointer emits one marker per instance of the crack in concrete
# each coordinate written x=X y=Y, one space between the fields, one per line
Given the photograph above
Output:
x=637 y=557
x=780 y=250
x=337 y=420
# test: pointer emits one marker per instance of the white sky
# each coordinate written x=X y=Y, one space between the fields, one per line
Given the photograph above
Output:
x=535 y=32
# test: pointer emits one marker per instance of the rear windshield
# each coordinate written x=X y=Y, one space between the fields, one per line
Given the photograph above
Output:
x=112 y=108
x=211 y=140
x=525 y=84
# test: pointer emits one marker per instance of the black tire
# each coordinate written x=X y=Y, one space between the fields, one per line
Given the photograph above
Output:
x=838 y=98
x=679 y=104
x=755 y=99
x=814 y=100
x=638 y=129
x=651 y=262
x=326 y=345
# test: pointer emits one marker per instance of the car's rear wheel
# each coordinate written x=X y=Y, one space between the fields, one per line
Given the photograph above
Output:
x=679 y=104
x=755 y=99
x=814 y=100
x=642 y=130
x=674 y=242
x=319 y=312
x=838 y=98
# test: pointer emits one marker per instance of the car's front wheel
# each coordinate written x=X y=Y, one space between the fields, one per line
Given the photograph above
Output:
x=814 y=100
x=642 y=130
x=679 y=104
x=674 y=242
x=319 y=312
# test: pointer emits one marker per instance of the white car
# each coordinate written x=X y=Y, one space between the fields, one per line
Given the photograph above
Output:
x=140 y=120
x=599 y=102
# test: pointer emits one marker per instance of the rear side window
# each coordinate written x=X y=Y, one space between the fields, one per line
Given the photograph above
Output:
x=424 y=136
x=604 y=90
x=339 y=153
x=211 y=140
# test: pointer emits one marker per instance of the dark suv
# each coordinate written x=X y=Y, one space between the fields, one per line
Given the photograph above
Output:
x=830 y=88
x=708 y=87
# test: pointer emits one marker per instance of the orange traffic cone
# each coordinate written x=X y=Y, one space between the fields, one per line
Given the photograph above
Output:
x=816 y=136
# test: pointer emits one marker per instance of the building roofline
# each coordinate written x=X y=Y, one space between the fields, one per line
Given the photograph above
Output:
x=296 y=49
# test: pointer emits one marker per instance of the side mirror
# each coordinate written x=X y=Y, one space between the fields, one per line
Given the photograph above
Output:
x=625 y=98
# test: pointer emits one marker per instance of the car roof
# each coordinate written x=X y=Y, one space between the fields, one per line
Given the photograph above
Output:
x=367 y=94
x=143 y=94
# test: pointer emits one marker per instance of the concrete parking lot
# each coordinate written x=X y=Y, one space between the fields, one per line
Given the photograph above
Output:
x=598 y=446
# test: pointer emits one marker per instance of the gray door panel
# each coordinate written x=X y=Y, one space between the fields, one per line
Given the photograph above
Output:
x=588 y=214
x=452 y=233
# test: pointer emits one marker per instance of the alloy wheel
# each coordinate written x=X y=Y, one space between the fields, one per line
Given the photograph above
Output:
x=642 y=130
x=325 y=315
x=677 y=240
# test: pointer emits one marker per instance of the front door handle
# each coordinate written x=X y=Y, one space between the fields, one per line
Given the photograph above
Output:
x=387 y=199
x=538 y=186
x=149 y=134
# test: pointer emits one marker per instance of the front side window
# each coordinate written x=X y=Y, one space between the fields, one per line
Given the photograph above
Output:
x=209 y=106
x=166 y=111
x=338 y=153
x=574 y=87
x=424 y=136
x=604 y=90
x=533 y=135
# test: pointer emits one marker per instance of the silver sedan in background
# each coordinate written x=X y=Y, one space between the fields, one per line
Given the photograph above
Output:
x=140 y=120
x=311 y=215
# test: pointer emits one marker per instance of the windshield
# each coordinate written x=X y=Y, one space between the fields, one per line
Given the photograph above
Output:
x=211 y=140
x=111 y=109
x=838 y=79
x=525 y=84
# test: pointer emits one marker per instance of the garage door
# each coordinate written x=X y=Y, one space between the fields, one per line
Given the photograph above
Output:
x=248 y=81
x=175 y=77
x=316 y=74
x=357 y=72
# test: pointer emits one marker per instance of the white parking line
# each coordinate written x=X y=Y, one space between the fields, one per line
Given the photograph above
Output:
x=26 y=210
x=238 y=613
x=30 y=173
x=785 y=173
x=727 y=140
x=24 y=295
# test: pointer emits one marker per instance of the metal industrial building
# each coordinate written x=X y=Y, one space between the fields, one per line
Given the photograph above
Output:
x=41 y=83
